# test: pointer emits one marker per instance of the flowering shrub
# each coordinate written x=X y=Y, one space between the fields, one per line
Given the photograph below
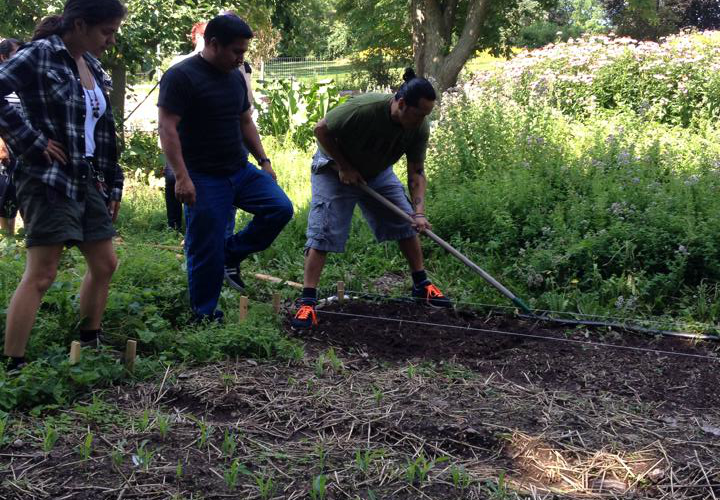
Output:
x=551 y=174
x=676 y=81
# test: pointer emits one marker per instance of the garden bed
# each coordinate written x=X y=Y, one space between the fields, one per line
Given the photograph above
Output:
x=400 y=410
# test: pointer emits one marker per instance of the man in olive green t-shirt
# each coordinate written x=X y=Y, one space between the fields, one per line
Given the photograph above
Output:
x=359 y=142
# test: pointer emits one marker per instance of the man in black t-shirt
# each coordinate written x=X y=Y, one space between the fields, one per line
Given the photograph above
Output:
x=206 y=131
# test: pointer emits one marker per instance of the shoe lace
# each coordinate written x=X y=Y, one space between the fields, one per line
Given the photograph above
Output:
x=305 y=312
x=433 y=292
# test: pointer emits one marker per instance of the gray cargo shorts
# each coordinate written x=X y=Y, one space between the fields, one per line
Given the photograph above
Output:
x=333 y=203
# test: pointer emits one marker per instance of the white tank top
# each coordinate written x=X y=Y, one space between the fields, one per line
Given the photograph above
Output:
x=95 y=107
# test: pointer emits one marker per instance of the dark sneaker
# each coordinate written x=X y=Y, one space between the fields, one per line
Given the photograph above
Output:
x=232 y=278
x=431 y=295
x=95 y=343
x=13 y=368
x=305 y=317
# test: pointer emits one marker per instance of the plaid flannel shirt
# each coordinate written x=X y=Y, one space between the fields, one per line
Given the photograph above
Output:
x=45 y=77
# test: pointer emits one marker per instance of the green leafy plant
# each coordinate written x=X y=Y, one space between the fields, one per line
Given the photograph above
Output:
x=85 y=448
x=417 y=470
x=50 y=437
x=460 y=477
x=290 y=108
x=266 y=486
x=229 y=444
x=144 y=455
x=364 y=459
x=232 y=473
x=144 y=420
x=320 y=455
x=497 y=490
x=4 y=419
x=162 y=423
x=318 y=488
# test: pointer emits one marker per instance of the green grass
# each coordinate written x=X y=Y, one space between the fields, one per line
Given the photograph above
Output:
x=482 y=61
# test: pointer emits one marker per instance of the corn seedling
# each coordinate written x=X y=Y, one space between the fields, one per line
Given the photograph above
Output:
x=50 y=437
x=320 y=365
x=85 y=448
x=497 y=490
x=144 y=456
x=205 y=431
x=3 y=428
x=378 y=394
x=229 y=444
x=321 y=455
x=460 y=477
x=266 y=486
x=334 y=362
x=231 y=474
x=117 y=454
x=144 y=421
x=179 y=470
x=363 y=459
x=162 y=423
x=417 y=470
x=318 y=488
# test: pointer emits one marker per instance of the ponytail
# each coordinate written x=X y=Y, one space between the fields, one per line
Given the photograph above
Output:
x=93 y=12
x=51 y=25
x=415 y=88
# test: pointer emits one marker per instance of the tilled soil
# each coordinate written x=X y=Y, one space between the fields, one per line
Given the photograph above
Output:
x=397 y=401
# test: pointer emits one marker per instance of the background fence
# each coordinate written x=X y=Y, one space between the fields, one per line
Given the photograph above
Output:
x=305 y=68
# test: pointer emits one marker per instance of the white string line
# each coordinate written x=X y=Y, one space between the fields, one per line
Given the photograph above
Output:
x=526 y=335
x=500 y=306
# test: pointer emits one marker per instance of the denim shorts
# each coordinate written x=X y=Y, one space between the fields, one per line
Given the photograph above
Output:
x=333 y=202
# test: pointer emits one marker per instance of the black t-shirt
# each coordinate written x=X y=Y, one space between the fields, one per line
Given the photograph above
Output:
x=210 y=103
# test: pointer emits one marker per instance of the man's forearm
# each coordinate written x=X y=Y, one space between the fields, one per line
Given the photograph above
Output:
x=331 y=147
x=170 y=143
x=252 y=140
x=417 y=184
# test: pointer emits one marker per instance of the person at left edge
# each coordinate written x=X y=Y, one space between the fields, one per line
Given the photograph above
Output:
x=204 y=118
x=8 y=198
x=67 y=151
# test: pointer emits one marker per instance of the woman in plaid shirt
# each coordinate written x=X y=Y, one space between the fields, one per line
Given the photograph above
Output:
x=68 y=180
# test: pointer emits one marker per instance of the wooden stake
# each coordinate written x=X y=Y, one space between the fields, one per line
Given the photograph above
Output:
x=341 y=291
x=74 y=352
x=276 y=303
x=243 y=308
x=130 y=350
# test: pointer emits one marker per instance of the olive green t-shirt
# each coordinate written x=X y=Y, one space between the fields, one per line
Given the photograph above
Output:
x=368 y=137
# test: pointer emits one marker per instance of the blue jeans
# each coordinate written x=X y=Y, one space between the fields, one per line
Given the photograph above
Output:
x=174 y=208
x=207 y=248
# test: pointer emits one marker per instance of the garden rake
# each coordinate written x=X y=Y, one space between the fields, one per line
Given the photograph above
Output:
x=455 y=253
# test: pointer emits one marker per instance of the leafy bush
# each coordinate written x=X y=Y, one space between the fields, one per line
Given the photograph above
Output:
x=541 y=33
x=572 y=193
x=675 y=82
x=142 y=152
x=290 y=108
x=380 y=67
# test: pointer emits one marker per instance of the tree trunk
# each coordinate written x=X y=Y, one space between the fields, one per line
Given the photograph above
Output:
x=118 y=72
x=432 y=22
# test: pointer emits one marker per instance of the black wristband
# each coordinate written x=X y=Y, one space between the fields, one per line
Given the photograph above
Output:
x=264 y=160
